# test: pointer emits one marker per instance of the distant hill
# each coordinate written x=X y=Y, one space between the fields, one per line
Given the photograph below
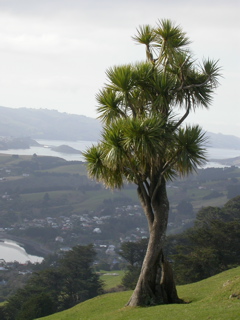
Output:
x=55 y=125
x=17 y=143
x=47 y=124
x=222 y=141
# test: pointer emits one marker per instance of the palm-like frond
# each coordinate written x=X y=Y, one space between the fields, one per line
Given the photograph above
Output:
x=171 y=34
x=143 y=73
x=198 y=89
x=109 y=105
x=145 y=35
x=114 y=153
x=121 y=78
x=170 y=40
x=213 y=71
x=195 y=84
x=143 y=140
x=189 y=149
x=98 y=170
x=94 y=159
x=163 y=86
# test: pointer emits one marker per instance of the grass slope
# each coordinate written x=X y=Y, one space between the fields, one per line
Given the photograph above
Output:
x=207 y=300
x=111 y=279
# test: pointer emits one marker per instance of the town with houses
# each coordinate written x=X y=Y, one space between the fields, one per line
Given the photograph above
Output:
x=88 y=224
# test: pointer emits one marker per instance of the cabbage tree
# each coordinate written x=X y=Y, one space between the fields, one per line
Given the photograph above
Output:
x=143 y=107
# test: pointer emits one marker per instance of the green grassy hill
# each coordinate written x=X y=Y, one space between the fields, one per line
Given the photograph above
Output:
x=111 y=279
x=216 y=298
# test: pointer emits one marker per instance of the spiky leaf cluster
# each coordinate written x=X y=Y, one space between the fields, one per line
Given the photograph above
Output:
x=143 y=107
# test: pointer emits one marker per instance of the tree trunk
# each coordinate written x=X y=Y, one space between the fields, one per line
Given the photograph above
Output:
x=155 y=284
x=167 y=283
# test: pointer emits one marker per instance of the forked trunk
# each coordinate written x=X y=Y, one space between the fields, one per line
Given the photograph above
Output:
x=156 y=284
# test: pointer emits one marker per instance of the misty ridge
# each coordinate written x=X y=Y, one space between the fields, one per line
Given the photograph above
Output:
x=54 y=125
x=47 y=124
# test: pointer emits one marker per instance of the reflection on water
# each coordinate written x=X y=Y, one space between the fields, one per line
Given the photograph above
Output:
x=11 y=251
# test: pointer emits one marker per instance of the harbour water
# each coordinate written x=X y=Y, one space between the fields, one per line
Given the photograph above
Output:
x=11 y=251
x=216 y=153
x=45 y=150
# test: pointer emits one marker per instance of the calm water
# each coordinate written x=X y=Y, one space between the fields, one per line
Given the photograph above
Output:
x=45 y=150
x=215 y=153
x=11 y=251
x=220 y=154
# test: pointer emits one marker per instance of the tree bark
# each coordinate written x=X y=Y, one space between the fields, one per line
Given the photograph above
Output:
x=155 y=284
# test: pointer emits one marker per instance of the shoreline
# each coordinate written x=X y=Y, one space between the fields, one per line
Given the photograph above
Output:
x=31 y=247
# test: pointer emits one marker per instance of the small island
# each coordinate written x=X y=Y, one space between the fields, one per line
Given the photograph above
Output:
x=65 y=149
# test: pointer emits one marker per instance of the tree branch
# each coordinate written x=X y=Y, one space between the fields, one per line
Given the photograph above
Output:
x=184 y=116
x=167 y=165
x=146 y=203
x=196 y=85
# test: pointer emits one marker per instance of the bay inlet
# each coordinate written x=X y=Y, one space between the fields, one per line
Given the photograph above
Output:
x=46 y=150
x=11 y=251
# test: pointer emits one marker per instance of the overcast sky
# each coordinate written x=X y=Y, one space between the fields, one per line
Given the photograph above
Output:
x=54 y=53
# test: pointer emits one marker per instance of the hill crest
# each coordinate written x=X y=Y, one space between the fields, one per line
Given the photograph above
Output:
x=54 y=125
x=213 y=298
x=47 y=124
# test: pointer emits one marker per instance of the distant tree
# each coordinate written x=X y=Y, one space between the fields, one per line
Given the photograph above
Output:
x=46 y=197
x=233 y=191
x=37 y=306
x=69 y=281
x=229 y=212
x=130 y=277
x=206 y=215
x=232 y=209
x=3 y=315
x=195 y=265
x=80 y=281
x=133 y=253
x=143 y=107
x=185 y=208
x=211 y=246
